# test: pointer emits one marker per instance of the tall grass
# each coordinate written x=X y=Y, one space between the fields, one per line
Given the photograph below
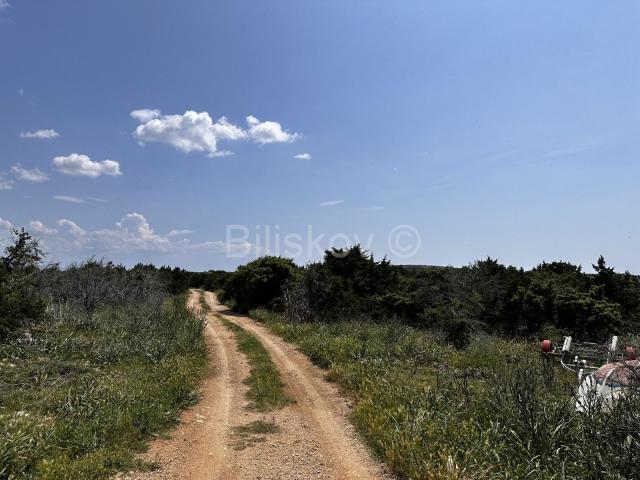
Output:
x=79 y=394
x=495 y=410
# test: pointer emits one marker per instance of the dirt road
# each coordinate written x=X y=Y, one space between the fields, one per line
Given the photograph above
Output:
x=314 y=439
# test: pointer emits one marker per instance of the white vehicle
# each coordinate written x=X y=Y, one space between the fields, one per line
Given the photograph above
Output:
x=599 y=385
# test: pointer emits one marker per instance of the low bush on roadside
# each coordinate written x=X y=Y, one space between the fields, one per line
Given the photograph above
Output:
x=259 y=283
x=494 y=409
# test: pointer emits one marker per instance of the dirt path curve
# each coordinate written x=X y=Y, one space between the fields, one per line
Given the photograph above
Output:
x=318 y=401
x=314 y=439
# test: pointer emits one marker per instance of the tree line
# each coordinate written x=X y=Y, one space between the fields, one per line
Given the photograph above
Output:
x=552 y=299
x=29 y=288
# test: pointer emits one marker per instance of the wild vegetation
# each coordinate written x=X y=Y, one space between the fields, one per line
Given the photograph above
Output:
x=495 y=409
x=94 y=359
x=552 y=298
x=443 y=363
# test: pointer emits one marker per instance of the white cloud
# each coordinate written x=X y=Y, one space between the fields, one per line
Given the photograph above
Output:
x=268 y=132
x=571 y=150
x=144 y=115
x=330 y=203
x=40 y=134
x=303 y=156
x=71 y=227
x=34 y=175
x=178 y=233
x=5 y=224
x=196 y=131
x=76 y=164
x=221 y=153
x=67 y=198
x=235 y=248
x=38 y=227
x=224 y=130
x=131 y=234
x=190 y=132
x=5 y=183
x=4 y=4
x=135 y=229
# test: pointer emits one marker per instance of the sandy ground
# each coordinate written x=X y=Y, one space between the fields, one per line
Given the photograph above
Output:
x=315 y=439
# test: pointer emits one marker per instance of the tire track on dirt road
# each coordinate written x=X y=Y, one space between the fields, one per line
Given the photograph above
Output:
x=318 y=401
x=313 y=438
x=197 y=448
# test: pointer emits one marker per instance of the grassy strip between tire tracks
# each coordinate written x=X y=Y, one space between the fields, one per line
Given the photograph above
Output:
x=265 y=392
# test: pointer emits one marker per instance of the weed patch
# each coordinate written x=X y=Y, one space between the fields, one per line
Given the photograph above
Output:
x=253 y=433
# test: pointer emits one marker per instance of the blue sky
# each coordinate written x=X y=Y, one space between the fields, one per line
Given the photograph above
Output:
x=489 y=127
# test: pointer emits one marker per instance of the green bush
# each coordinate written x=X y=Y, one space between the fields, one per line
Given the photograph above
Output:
x=259 y=283
x=20 y=299
x=484 y=296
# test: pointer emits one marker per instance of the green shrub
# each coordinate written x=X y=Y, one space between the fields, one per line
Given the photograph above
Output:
x=20 y=299
x=259 y=283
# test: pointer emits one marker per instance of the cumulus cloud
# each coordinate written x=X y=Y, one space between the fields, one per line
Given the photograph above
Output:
x=130 y=235
x=190 y=132
x=71 y=227
x=68 y=198
x=34 y=175
x=268 y=132
x=41 y=134
x=303 y=156
x=82 y=165
x=330 y=203
x=133 y=233
x=225 y=130
x=196 y=131
x=38 y=227
x=144 y=115
x=135 y=230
